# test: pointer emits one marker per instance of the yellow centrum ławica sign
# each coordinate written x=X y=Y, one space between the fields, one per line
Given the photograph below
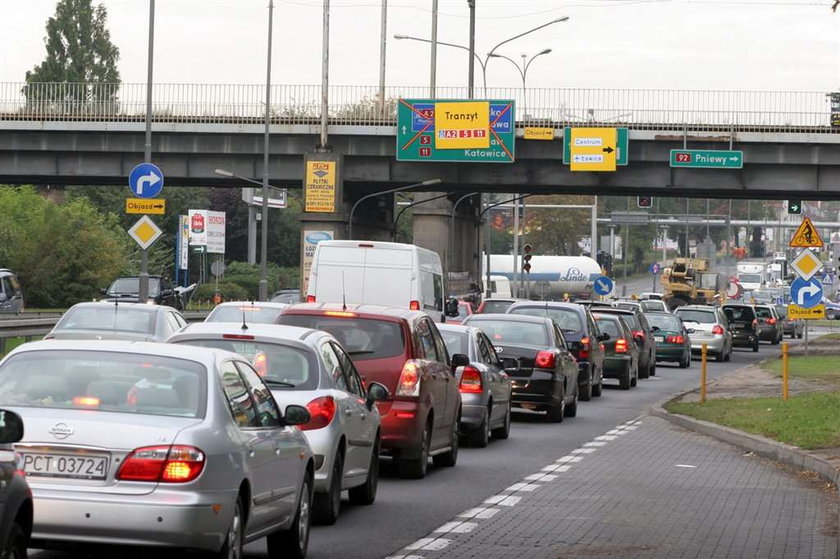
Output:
x=462 y=125
x=814 y=313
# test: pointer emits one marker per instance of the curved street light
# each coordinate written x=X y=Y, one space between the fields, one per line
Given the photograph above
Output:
x=373 y=194
x=523 y=70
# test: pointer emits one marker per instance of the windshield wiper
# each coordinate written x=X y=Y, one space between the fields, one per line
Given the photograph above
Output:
x=283 y=383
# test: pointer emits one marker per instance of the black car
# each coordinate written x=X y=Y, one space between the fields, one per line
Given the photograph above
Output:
x=621 y=359
x=288 y=296
x=743 y=323
x=15 y=496
x=127 y=289
x=542 y=370
x=582 y=336
x=642 y=334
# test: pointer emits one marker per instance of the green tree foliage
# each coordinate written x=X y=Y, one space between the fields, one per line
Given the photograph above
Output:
x=62 y=253
x=79 y=51
x=557 y=231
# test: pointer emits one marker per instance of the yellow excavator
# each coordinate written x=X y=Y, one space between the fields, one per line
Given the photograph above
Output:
x=689 y=281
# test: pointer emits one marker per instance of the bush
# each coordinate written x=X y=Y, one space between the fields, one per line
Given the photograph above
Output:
x=230 y=292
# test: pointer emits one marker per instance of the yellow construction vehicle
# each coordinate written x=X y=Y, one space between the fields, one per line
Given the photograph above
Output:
x=689 y=281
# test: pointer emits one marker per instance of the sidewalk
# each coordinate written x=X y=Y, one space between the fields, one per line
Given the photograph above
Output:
x=647 y=489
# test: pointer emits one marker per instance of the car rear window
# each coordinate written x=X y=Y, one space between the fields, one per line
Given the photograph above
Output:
x=362 y=338
x=567 y=319
x=456 y=342
x=273 y=361
x=632 y=320
x=249 y=313
x=496 y=307
x=664 y=322
x=628 y=306
x=739 y=314
x=609 y=326
x=701 y=317
x=104 y=381
x=763 y=312
x=514 y=332
x=111 y=319
x=653 y=306
x=131 y=286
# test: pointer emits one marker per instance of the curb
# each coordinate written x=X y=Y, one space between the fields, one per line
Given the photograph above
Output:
x=768 y=448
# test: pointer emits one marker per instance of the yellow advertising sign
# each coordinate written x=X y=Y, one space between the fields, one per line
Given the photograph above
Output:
x=535 y=133
x=462 y=125
x=795 y=312
x=319 y=186
x=145 y=206
x=593 y=149
x=806 y=235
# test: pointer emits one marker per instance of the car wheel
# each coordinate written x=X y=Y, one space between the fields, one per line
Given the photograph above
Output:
x=481 y=436
x=571 y=409
x=755 y=347
x=728 y=356
x=556 y=413
x=624 y=381
x=416 y=468
x=365 y=494
x=719 y=357
x=450 y=457
x=685 y=361
x=598 y=388
x=799 y=335
x=634 y=380
x=232 y=548
x=585 y=391
x=652 y=368
x=15 y=547
x=503 y=432
x=326 y=506
x=294 y=541
x=643 y=373
x=775 y=341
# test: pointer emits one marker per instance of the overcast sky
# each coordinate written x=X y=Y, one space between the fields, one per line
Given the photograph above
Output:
x=675 y=44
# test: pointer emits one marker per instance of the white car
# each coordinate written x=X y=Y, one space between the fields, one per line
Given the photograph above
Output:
x=310 y=368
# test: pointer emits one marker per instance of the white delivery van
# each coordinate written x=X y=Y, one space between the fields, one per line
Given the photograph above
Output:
x=500 y=287
x=377 y=273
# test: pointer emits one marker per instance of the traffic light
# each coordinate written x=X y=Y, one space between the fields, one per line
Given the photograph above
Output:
x=644 y=201
x=526 y=258
x=795 y=207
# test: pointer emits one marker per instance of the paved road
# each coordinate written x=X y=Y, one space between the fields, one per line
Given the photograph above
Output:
x=407 y=510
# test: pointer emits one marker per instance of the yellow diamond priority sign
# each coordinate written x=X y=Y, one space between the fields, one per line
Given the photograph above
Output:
x=145 y=232
x=806 y=264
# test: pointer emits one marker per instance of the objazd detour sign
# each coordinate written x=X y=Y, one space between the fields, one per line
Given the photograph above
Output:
x=455 y=130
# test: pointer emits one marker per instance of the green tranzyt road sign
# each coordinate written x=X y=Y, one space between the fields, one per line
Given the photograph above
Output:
x=621 y=149
x=456 y=130
x=707 y=159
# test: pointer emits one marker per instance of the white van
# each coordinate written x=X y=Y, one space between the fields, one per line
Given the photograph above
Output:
x=500 y=287
x=377 y=273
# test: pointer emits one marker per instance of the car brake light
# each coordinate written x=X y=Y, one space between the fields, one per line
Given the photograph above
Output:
x=639 y=334
x=675 y=340
x=583 y=352
x=167 y=464
x=414 y=305
x=342 y=314
x=261 y=363
x=717 y=329
x=545 y=360
x=771 y=321
x=755 y=322
x=621 y=345
x=365 y=245
x=409 y=383
x=237 y=337
x=86 y=401
x=321 y=413
x=310 y=298
x=470 y=381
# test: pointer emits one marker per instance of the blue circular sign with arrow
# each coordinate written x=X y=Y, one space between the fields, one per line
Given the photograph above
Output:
x=604 y=285
x=146 y=180
x=806 y=294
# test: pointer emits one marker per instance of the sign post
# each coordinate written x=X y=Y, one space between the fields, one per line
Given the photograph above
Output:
x=806 y=291
x=145 y=181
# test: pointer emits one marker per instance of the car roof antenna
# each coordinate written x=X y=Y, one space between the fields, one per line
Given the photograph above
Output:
x=343 y=293
x=244 y=324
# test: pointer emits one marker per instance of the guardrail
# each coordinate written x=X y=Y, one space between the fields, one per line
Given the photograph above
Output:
x=19 y=326
x=693 y=110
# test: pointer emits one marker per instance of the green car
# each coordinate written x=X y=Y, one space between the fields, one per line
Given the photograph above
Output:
x=672 y=338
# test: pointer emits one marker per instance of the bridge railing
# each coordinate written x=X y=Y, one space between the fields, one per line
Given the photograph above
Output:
x=692 y=110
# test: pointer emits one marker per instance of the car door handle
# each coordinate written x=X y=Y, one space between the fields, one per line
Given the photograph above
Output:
x=364 y=416
x=348 y=413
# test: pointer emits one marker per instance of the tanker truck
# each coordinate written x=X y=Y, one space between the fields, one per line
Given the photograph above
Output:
x=551 y=277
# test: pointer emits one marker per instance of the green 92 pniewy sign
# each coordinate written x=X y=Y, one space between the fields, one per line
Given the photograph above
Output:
x=707 y=159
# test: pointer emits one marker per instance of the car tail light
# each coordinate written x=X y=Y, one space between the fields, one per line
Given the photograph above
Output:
x=639 y=334
x=717 y=329
x=755 y=322
x=409 y=383
x=470 y=381
x=414 y=305
x=237 y=337
x=545 y=360
x=310 y=298
x=771 y=321
x=675 y=340
x=621 y=345
x=583 y=352
x=321 y=413
x=342 y=314
x=261 y=363
x=86 y=401
x=166 y=464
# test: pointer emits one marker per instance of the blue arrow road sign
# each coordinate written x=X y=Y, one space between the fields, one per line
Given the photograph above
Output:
x=806 y=294
x=654 y=268
x=604 y=285
x=146 y=180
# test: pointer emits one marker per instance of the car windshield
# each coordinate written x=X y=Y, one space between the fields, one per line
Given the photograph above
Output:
x=739 y=314
x=244 y=313
x=628 y=306
x=131 y=286
x=692 y=315
x=665 y=322
x=496 y=307
x=104 y=381
x=107 y=318
x=363 y=338
x=653 y=306
x=609 y=326
x=288 y=298
x=292 y=367
x=503 y=332
x=456 y=342
x=566 y=319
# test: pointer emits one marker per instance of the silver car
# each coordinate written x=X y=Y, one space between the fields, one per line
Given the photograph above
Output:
x=310 y=368
x=117 y=321
x=146 y=444
x=249 y=312
x=485 y=388
x=710 y=327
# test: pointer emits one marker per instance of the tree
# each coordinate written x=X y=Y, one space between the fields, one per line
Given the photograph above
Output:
x=81 y=56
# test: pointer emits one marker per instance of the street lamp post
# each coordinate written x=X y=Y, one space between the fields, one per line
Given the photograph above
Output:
x=263 y=289
x=390 y=191
x=522 y=69
x=452 y=227
x=453 y=45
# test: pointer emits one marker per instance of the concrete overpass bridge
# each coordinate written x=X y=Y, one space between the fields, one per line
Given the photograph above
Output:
x=86 y=134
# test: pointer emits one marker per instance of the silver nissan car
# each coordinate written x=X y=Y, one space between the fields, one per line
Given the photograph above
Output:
x=146 y=444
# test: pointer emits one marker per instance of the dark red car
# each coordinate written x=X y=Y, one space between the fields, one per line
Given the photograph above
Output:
x=403 y=350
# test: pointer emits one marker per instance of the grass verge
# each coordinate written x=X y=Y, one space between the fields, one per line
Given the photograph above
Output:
x=809 y=421
x=817 y=367
x=12 y=343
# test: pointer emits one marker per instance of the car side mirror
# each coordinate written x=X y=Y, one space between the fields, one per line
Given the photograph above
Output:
x=296 y=415
x=603 y=337
x=654 y=328
x=11 y=427
x=451 y=307
x=690 y=330
x=376 y=392
x=103 y=290
x=167 y=293
x=459 y=360
x=639 y=338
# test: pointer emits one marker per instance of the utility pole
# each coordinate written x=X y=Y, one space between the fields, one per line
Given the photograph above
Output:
x=263 y=286
x=471 y=77
x=382 y=46
x=143 y=280
x=325 y=74
x=433 y=61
